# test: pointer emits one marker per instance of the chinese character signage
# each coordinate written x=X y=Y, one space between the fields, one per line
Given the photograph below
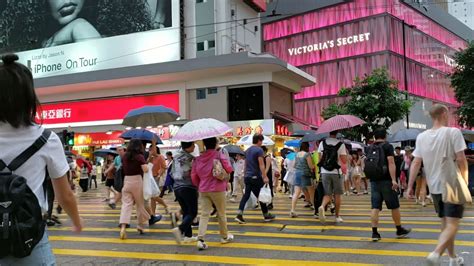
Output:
x=242 y=128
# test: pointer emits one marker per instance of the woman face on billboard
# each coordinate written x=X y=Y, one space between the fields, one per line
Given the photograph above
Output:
x=65 y=11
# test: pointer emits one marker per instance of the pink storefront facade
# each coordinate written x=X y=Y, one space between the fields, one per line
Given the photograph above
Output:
x=338 y=43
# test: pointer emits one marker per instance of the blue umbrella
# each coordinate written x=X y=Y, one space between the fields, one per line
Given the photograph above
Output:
x=104 y=152
x=404 y=135
x=150 y=116
x=293 y=143
x=141 y=134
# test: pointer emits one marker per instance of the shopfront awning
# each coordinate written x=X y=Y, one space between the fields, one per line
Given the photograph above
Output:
x=292 y=119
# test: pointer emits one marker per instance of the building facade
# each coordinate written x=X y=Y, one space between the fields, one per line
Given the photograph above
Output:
x=197 y=57
x=342 y=40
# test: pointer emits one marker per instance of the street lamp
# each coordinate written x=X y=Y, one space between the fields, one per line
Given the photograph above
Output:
x=405 y=65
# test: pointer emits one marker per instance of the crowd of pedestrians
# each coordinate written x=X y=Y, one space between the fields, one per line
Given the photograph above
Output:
x=321 y=177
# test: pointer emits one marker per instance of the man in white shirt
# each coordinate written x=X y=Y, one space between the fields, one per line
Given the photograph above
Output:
x=332 y=178
x=431 y=150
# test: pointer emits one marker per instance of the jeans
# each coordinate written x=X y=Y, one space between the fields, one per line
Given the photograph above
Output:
x=41 y=255
x=188 y=201
x=253 y=185
x=208 y=199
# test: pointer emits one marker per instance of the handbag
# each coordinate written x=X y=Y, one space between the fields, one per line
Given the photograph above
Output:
x=455 y=189
x=150 y=188
x=218 y=170
x=265 y=195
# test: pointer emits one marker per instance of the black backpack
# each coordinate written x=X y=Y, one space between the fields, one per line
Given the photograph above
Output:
x=21 y=220
x=330 y=158
x=376 y=163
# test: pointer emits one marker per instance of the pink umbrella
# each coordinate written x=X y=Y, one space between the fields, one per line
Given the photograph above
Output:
x=339 y=122
x=201 y=129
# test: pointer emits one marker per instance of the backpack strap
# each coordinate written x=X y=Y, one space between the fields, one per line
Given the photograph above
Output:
x=26 y=154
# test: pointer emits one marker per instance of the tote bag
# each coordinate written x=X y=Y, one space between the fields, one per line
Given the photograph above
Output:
x=455 y=190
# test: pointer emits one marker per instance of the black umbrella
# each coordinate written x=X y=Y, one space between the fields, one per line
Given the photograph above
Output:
x=234 y=149
x=468 y=135
x=104 y=152
x=302 y=133
x=404 y=135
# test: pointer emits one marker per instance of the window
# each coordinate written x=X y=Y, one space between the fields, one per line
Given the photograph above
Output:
x=212 y=91
x=211 y=44
x=200 y=46
x=200 y=94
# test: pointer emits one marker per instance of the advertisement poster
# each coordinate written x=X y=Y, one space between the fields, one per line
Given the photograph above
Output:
x=57 y=37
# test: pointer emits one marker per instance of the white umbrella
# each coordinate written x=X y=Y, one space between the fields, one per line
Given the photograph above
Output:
x=247 y=140
x=201 y=129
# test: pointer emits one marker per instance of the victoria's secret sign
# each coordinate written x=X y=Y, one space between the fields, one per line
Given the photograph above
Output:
x=320 y=46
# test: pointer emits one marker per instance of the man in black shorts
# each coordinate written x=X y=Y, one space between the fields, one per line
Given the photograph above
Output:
x=435 y=148
x=383 y=183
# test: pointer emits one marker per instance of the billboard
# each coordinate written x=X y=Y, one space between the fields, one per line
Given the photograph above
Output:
x=57 y=37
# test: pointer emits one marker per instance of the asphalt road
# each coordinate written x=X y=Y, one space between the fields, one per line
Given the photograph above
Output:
x=286 y=240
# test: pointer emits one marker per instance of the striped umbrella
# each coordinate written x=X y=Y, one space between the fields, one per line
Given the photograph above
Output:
x=339 y=122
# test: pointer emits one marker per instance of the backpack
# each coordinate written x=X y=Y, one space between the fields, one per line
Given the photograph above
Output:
x=21 y=220
x=330 y=158
x=376 y=163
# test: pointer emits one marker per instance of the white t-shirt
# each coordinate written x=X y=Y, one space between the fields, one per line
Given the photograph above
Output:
x=431 y=148
x=341 y=151
x=239 y=168
x=51 y=155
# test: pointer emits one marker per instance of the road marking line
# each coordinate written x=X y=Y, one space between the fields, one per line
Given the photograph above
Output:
x=377 y=252
x=283 y=235
x=195 y=258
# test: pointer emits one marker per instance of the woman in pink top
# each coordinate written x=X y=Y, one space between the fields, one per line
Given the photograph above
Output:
x=212 y=190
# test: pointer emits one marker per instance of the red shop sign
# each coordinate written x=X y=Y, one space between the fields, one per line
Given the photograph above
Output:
x=98 y=139
x=102 y=109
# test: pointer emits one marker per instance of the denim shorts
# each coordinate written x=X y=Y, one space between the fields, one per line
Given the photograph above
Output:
x=382 y=191
x=302 y=180
x=42 y=255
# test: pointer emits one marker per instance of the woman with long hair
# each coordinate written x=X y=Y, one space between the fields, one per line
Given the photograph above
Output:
x=304 y=176
x=356 y=170
x=134 y=166
x=18 y=131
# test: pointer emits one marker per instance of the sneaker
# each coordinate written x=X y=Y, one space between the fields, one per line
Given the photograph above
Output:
x=177 y=235
x=240 y=219
x=433 y=259
x=112 y=206
x=290 y=197
x=456 y=261
x=190 y=239
x=366 y=192
x=402 y=233
x=322 y=215
x=233 y=200
x=214 y=213
x=167 y=210
x=376 y=237
x=202 y=245
x=339 y=219
x=229 y=239
x=293 y=215
x=316 y=216
x=269 y=217
x=174 y=221
x=270 y=206
x=154 y=219
x=333 y=210
x=195 y=225
x=423 y=204
x=308 y=205
x=50 y=222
